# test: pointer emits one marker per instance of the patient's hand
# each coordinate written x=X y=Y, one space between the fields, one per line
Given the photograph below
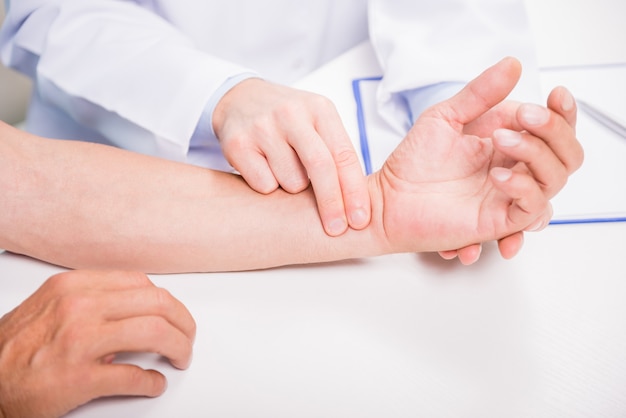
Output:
x=454 y=181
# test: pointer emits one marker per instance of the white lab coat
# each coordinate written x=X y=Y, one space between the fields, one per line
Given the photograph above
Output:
x=138 y=74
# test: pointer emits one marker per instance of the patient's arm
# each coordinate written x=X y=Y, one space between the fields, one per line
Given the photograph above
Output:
x=80 y=204
x=83 y=205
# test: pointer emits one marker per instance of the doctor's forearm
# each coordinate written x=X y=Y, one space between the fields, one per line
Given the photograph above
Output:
x=83 y=205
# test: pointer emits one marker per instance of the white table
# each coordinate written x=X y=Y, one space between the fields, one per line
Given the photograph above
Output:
x=542 y=335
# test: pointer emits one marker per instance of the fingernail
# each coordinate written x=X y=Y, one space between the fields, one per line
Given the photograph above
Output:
x=358 y=217
x=534 y=114
x=568 y=101
x=536 y=226
x=501 y=174
x=507 y=138
x=337 y=226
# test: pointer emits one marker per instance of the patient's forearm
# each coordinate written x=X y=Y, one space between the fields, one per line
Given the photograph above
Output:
x=83 y=205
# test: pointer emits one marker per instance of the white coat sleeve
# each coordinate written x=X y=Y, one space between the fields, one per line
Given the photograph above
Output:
x=116 y=67
x=420 y=43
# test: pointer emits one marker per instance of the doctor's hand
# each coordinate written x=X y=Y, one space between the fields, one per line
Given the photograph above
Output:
x=275 y=136
x=57 y=348
x=454 y=181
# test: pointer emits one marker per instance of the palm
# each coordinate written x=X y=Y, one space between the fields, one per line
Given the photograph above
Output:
x=501 y=116
x=437 y=183
x=447 y=182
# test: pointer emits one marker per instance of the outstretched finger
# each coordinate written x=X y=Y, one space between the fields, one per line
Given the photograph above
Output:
x=484 y=92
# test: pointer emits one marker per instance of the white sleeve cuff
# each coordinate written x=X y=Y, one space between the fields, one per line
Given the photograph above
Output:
x=204 y=129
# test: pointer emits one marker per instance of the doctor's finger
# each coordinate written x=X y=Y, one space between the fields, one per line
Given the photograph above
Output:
x=255 y=170
x=321 y=169
x=350 y=173
x=287 y=167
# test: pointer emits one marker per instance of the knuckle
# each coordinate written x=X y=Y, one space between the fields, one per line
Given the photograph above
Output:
x=561 y=176
x=162 y=299
x=151 y=332
x=555 y=181
x=300 y=183
x=328 y=202
x=193 y=328
x=73 y=305
x=309 y=103
x=259 y=177
x=70 y=341
x=62 y=282
x=578 y=159
x=188 y=349
x=542 y=207
x=135 y=376
x=134 y=277
x=318 y=160
x=256 y=129
x=265 y=187
x=151 y=383
x=295 y=184
x=235 y=145
x=346 y=157
x=321 y=102
x=288 y=114
x=158 y=326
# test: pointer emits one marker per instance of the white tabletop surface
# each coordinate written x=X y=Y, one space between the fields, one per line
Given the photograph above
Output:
x=408 y=335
